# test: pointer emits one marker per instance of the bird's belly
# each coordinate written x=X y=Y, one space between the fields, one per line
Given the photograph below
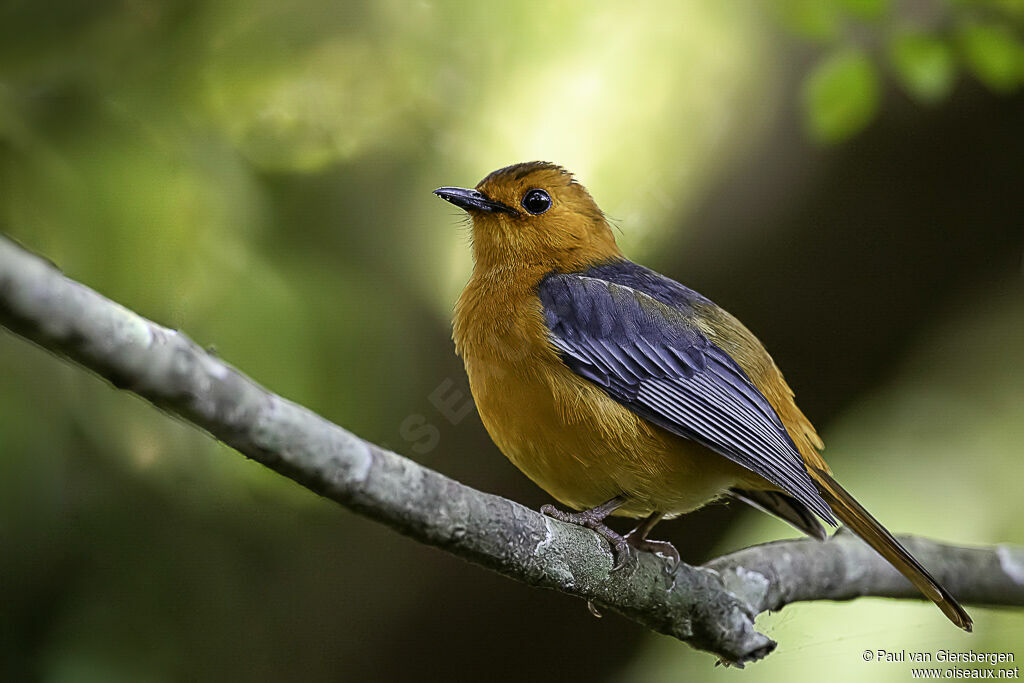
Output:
x=583 y=448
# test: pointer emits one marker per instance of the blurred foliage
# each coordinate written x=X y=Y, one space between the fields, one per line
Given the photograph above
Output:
x=842 y=95
x=924 y=66
x=922 y=44
x=259 y=174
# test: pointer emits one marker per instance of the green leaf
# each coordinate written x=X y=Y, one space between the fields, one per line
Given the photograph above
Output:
x=812 y=19
x=924 y=65
x=840 y=96
x=993 y=55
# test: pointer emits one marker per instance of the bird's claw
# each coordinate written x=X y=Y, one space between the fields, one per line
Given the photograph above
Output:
x=662 y=549
x=623 y=555
x=622 y=551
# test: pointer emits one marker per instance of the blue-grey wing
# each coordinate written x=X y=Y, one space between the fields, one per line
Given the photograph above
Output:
x=650 y=356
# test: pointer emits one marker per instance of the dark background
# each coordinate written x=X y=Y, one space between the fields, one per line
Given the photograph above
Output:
x=259 y=176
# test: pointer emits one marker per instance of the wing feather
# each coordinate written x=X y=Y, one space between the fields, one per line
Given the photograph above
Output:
x=653 y=359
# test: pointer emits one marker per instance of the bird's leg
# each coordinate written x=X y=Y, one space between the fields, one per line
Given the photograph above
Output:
x=594 y=519
x=638 y=539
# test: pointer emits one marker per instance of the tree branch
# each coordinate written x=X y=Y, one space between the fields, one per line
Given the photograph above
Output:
x=711 y=608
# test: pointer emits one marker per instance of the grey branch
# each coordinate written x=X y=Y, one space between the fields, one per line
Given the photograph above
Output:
x=711 y=607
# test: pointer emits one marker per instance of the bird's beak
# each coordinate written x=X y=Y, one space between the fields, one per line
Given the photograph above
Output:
x=472 y=200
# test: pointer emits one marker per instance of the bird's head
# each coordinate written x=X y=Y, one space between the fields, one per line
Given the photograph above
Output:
x=534 y=215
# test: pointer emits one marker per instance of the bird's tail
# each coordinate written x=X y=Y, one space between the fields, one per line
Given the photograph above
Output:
x=878 y=537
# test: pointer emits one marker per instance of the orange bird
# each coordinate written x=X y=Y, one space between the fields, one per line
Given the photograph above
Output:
x=620 y=391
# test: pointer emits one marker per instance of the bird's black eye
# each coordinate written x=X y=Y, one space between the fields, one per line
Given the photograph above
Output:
x=536 y=201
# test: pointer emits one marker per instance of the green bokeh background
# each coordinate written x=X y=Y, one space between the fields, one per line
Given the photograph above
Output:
x=843 y=175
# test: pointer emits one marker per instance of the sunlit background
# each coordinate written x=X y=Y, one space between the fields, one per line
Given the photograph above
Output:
x=843 y=175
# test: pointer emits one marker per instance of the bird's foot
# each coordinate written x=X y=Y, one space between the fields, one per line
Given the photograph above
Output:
x=662 y=549
x=594 y=519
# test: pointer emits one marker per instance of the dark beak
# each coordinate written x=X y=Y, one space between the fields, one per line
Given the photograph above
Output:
x=472 y=200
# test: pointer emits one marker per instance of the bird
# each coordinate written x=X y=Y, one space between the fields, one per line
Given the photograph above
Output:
x=622 y=392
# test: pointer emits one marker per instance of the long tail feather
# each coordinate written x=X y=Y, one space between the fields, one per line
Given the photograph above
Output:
x=853 y=515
